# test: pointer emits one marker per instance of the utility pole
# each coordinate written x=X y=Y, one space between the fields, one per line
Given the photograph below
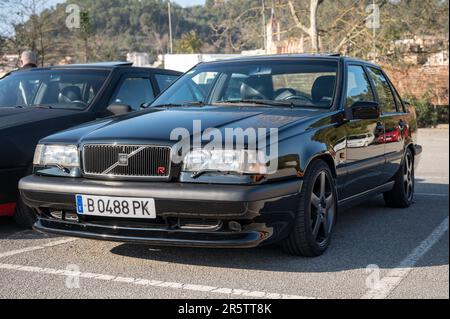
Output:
x=264 y=26
x=374 y=35
x=170 y=28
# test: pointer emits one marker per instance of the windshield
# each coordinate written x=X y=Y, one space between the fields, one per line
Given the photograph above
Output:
x=59 y=89
x=294 y=83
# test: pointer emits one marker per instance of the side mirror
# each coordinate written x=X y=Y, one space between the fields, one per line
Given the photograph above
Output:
x=117 y=108
x=146 y=105
x=365 y=110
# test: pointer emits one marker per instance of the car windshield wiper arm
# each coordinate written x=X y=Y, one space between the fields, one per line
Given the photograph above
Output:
x=41 y=106
x=258 y=102
x=195 y=103
x=165 y=105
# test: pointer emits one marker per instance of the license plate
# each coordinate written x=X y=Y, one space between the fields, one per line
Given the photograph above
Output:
x=126 y=207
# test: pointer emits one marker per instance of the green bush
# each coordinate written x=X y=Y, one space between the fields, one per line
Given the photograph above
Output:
x=429 y=115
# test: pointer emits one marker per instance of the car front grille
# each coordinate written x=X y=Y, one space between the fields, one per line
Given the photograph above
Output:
x=130 y=161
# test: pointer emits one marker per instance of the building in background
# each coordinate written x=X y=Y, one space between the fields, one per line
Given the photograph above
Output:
x=184 y=62
x=8 y=62
x=273 y=42
x=138 y=58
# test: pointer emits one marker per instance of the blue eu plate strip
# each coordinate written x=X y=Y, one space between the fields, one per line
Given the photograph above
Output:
x=79 y=204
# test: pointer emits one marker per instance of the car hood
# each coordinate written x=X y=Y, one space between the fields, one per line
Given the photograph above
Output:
x=157 y=125
x=10 y=116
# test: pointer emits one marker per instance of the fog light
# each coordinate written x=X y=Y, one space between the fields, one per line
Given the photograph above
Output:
x=234 y=226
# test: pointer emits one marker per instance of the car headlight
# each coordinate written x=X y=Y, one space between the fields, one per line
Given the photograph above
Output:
x=56 y=155
x=239 y=161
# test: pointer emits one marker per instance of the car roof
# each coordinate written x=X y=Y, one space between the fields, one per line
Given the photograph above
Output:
x=100 y=66
x=271 y=57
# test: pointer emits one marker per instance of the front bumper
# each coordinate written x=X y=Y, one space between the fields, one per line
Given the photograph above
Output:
x=153 y=236
x=263 y=211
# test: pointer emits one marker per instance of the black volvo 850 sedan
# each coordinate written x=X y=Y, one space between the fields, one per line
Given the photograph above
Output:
x=236 y=153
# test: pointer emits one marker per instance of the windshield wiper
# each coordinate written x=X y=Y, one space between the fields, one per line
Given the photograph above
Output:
x=41 y=106
x=166 y=105
x=196 y=103
x=258 y=102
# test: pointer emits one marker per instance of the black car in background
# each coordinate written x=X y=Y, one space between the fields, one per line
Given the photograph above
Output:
x=332 y=119
x=38 y=102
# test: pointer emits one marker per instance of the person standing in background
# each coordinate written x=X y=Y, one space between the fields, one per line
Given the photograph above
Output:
x=28 y=60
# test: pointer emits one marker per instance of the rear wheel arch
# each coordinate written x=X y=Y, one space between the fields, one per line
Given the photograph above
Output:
x=411 y=148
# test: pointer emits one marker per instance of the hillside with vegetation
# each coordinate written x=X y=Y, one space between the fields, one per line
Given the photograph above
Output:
x=410 y=39
x=111 y=28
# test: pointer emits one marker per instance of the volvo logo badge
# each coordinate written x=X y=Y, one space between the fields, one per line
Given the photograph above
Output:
x=123 y=160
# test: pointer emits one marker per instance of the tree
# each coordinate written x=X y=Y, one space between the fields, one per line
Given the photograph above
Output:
x=311 y=31
x=28 y=23
x=84 y=33
x=189 y=43
x=115 y=27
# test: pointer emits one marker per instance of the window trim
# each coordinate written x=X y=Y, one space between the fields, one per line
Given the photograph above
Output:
x=123 y=78
x=376 y=91
x=400 y=108
x=363 y=67
x=155 y=83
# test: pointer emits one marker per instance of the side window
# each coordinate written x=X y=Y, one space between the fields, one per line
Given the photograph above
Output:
x=165 y=80
x=358 y=86
x=387 y=102
x=134 y=92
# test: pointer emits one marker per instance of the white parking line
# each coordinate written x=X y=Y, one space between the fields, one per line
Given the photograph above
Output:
x=431 y=177
x=28 y=249
x=152 y=283
x=431 y=194
x=388 y=283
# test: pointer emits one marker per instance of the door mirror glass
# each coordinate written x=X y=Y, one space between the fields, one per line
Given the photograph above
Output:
x=117 y=108
x=365 y=110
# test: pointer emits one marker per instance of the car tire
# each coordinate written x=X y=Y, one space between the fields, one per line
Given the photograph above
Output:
x=316 y=213
x=24 y=216
x=402 y=195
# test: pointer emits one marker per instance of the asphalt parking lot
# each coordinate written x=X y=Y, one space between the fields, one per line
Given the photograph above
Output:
x=376 y=253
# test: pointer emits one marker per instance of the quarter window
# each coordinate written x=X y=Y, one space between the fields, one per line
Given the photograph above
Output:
x=385 y=97
x=358 y=86
x=134 y=92
x=164 y=80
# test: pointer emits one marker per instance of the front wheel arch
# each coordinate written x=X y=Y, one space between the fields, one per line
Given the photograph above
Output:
x=327 y=158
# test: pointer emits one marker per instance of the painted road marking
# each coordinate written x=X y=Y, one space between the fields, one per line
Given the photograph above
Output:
x=396 y=275
x=28 y=249
x=152 y=283
x=431 y=194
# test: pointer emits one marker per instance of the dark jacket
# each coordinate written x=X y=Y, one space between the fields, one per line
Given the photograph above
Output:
x=29 y=66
